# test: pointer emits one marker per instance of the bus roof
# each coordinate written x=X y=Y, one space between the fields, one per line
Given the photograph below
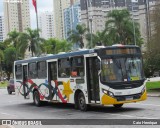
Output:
x=55 y=56
x=73 y=53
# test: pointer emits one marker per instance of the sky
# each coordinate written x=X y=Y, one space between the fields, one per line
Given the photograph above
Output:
x=43 y=6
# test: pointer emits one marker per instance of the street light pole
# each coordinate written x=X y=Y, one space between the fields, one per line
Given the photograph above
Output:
x=87 y=12
x=134 y=31
x=91 y=20
x=91 y=31
x=148 y=30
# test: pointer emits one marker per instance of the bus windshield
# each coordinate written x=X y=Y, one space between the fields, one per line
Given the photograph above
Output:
x=122 y=69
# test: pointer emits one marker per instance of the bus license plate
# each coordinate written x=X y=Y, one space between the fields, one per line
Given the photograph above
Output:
x=129 y=97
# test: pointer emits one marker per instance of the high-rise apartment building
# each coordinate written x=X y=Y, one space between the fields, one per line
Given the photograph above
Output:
x=94 y=12
x=2 y=29
x=59 y=6
x=72 y=17
x=46 y=24
x=16 y=15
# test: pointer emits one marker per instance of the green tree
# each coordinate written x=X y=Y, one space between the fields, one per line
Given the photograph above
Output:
x=100 y=38
x=31 y=40
x=1 y=60
x=12 y=39
x=9 y=58
x=53 y=46
x=78 y=35
x=120 y=28
x=152 y=55
x=63 y=46
x=3 y=46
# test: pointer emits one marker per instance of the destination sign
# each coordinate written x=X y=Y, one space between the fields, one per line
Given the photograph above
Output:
x=121 y=51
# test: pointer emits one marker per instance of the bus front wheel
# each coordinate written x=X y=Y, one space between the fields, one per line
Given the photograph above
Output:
x=82 y=102
x=36 y=99
x=118 y=105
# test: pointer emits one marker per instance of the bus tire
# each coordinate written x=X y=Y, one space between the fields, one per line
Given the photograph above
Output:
x=82 y=102
x=76 y=106
x=118 y=105
x=36 y=99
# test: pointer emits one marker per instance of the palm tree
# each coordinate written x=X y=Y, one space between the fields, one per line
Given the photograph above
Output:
x=31 y=40
x=49 y=46
x=53 y=46
x=100 y=38
x=78 y=35
x=120 y=27
x=12 y=38
x=63 y=46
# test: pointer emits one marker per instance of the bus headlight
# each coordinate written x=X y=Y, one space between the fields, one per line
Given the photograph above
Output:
x=108 y=93
x=143 y=90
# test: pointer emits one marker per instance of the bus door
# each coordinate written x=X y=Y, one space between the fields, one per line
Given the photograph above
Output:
x=92 y=80
x=25 y=83
x=52 y=78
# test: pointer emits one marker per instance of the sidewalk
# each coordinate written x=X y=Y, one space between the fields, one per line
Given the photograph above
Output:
x=3 y=87
x=6 y=126
x=153 y=94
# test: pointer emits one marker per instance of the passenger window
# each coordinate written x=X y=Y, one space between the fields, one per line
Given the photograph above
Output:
x=64 y=67
x=42 y=69
x=77 y=66
x=18 y=71
x=32 y=70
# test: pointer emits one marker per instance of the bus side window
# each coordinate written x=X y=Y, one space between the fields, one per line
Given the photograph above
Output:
x=18 y=71
x=64 y=67
x=32 y=70
x=77 y=68
x=42 y=69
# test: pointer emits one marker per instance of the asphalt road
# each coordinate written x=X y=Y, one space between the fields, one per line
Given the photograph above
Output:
x=13 y=107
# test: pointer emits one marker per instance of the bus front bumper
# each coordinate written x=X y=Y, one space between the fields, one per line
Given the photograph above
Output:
x=108 y=100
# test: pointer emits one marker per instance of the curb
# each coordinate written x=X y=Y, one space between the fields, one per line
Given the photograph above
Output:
x=153 y=95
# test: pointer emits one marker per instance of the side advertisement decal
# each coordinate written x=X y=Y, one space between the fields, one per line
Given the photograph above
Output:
x=64 y=97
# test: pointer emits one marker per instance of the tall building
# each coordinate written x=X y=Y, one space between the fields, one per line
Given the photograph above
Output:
x=93 y=12
x=46 y=24
x=2 y=38
x=16 y=15
x=59 y=6
x=72 y=17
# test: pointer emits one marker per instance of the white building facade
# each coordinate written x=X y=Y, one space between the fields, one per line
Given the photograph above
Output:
x=2 y=36
x=16 y=15
x=59 y=6
x=94 y=13
x=46 y=25
x=58 y=10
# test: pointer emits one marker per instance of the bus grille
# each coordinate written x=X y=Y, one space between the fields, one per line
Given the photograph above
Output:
x=124 y=98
